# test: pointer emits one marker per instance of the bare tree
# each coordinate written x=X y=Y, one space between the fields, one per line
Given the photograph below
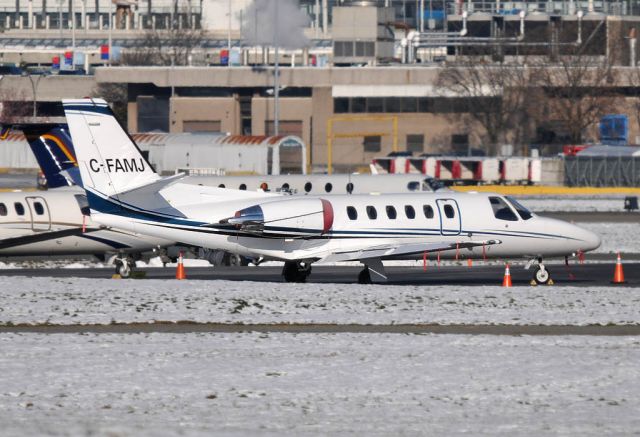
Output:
x=14 y=106
x=116 y=95
x=578 y=86
x=165 y=47
x=493 y=93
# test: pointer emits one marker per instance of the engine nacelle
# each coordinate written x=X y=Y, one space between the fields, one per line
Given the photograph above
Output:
x=286 y=218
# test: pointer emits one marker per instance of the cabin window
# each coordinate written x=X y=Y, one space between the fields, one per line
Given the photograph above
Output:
x=38 y=208
x=3 y=209
x=428 y=211
x=413 y=186
x=350 y=188
x=352 y=213
x=328 y=187
x=371 y=212
x=242 y=187
x=308 y=187
x=409 y=212
x=221 y=186
x=449 y=211
x=285 y=187
x=391 y=212
x=501 y=210
x=522 y=210
x=19 y=208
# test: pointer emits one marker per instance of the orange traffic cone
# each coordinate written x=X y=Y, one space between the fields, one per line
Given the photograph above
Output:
x=618 y=274
x=180 y=273
x=506 y=281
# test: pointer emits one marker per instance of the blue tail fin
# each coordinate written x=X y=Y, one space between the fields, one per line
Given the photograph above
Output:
x=54 y=151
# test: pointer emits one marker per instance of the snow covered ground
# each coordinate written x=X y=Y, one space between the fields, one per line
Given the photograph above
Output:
x=103 y=301
x=573 y=204
x=318 y=384
x=616 y=237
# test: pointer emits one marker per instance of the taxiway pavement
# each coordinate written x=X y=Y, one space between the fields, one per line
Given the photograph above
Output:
x=597 y=274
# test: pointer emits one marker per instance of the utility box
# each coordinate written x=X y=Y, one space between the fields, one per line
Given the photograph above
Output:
x=614 y=130
x=363 y=33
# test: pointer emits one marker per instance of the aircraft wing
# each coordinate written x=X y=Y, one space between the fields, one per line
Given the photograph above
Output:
x=398 y=250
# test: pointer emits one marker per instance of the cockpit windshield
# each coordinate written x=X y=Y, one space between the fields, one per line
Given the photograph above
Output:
x=521 y=209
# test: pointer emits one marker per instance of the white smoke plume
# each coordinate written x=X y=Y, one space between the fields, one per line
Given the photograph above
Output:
x=275 y=22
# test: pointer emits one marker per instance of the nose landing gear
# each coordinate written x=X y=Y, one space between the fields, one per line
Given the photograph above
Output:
x=541 y=276
x=294 y=271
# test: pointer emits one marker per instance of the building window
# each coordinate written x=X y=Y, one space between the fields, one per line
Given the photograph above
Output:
x=372 y=213
x=285 y=127
x=409 y=104
x=372 y=143
x=375 y=105
x=358 y=104
x=341 y=105
x=352 y=213
x=393 y=104
x=212 y=126
x=415 y=143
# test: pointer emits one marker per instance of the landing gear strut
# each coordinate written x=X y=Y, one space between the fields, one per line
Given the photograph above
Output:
x=541 y=275
x=294 y=271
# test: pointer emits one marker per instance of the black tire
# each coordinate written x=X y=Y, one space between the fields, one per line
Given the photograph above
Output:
x=542 y=276
x=123 y=268
x=364 y=277
x=295 y=272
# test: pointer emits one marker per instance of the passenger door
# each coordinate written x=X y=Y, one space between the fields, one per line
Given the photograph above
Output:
x=450 y=218
x=40 y=215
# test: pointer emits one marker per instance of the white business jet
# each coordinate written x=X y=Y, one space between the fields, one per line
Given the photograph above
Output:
x=124 y=192
x=57 y=221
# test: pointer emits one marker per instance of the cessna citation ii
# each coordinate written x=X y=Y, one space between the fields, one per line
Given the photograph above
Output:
x=57 y=221
x=124 y=192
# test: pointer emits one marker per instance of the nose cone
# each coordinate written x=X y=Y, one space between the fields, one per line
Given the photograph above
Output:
x=586 y=240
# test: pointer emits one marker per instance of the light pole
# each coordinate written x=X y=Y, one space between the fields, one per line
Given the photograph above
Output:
x=276 y=79
x=34 y=89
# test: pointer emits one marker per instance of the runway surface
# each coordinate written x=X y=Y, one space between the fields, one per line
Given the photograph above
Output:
x=478 y=275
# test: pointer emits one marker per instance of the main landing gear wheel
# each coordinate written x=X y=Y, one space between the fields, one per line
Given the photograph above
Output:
x=541 y=275
x=364 y=277
x=124 y=267
x=296 y=271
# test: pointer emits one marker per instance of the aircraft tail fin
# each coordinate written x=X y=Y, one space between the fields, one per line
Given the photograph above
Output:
x=109 y=160
x=52 y=146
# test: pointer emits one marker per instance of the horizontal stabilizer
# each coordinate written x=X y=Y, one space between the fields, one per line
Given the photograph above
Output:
x=402 y=250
